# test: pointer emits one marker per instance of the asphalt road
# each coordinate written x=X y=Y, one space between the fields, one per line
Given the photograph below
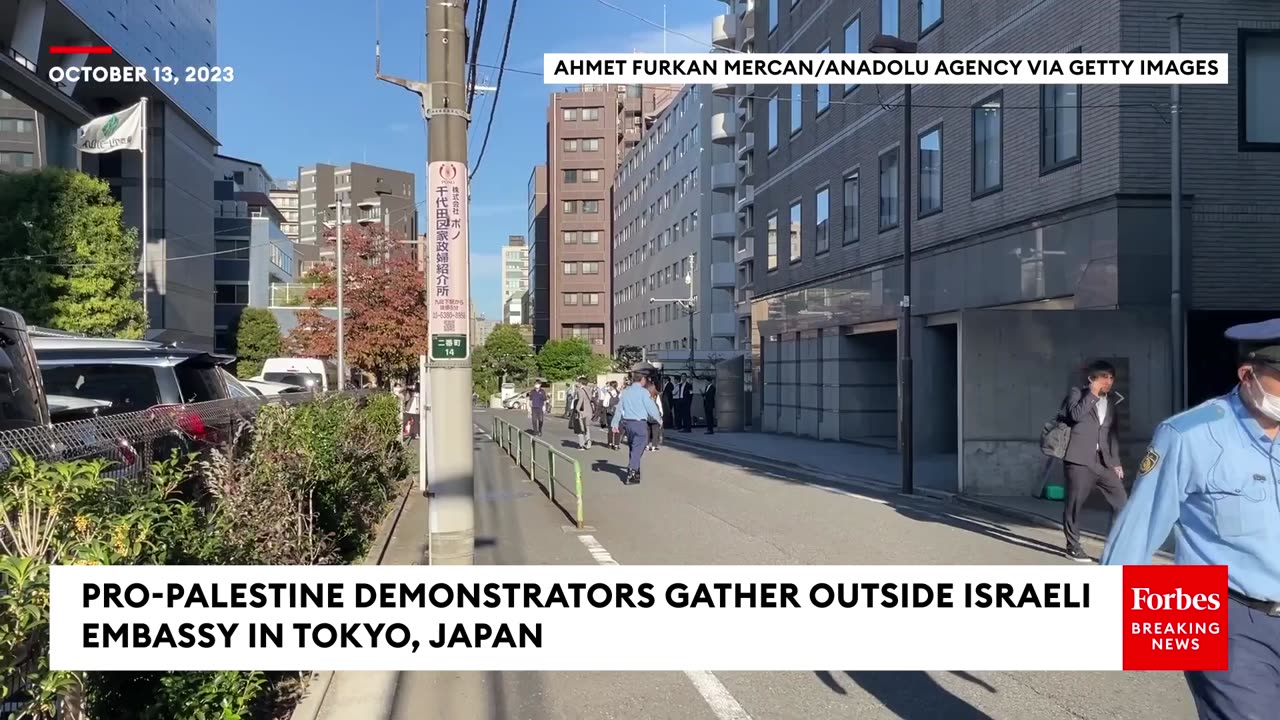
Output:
x=691 y=509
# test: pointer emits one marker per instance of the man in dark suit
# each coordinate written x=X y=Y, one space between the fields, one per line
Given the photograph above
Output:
x=668 y=402
x=709 y=405
x=1093 y=452
x=684 y=404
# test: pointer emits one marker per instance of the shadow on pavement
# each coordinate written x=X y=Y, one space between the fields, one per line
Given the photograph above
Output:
x=911 y=695
x=618 y=471
x=921 y=509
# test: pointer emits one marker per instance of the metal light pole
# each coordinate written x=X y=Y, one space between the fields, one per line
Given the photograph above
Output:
x=689 y=304
x=342 y=309
x=1178 y=354
x=891 y=44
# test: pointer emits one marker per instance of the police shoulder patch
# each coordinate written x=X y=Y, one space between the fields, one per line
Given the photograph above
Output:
x=1149 y=462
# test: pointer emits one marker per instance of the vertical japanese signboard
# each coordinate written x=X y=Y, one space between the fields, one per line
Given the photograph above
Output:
x=449 y=316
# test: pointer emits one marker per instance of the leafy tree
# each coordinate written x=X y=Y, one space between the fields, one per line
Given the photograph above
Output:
x=257 y=338
x=385 y=298
x=484 y=381
x=626 y=357
x=568 y=358
x=66 y=259
x=508 y=355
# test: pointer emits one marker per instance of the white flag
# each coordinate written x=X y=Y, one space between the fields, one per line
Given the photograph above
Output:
x=118 y=131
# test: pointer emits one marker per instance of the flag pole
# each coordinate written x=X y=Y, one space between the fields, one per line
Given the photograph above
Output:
x=146 y=260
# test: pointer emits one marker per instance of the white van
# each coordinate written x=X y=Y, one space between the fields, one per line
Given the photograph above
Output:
x=311 y=373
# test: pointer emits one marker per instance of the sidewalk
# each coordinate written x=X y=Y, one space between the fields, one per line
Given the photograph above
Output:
x=873 y=465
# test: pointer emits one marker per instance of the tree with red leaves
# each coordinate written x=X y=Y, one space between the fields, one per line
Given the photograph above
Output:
x=385 y=296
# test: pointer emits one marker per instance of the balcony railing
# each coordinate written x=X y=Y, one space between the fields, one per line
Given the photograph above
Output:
x=291 y=295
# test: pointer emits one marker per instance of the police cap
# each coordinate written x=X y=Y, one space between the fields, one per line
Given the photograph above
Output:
x=1259 y=342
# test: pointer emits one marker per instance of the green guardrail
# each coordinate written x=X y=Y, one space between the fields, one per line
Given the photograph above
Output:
x=546 y=466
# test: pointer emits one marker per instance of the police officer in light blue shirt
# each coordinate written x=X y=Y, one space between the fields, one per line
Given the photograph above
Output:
x=635 y=409
x=1212 y=474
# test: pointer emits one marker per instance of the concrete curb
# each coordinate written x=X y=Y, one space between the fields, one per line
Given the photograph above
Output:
x=380 y=686
x=879 y=486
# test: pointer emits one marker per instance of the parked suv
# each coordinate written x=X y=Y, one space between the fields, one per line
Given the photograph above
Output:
x=22 y=402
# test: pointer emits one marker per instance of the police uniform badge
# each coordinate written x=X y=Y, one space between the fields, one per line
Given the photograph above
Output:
x=1148 y=462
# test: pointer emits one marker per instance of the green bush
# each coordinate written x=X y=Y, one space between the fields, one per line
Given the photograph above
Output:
x=305 y=485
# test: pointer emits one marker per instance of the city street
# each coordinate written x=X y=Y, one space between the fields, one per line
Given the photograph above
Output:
x=694 y=510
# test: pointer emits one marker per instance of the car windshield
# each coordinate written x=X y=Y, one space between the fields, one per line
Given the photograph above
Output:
x=19 y=393
x=301 y=380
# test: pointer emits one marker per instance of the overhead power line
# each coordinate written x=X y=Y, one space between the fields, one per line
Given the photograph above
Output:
x=481 y=10
x=497 y=89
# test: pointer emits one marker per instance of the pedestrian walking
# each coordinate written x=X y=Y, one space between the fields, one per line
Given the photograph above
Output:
x=684 y=404
x=655 y=426
x=537 y=408
x=412 y=413
x=709 y=405
x=668 y=402
x=1093 y=451
x=580 y=413
x=635 y=409
x=1212 y=472
x=613 y=440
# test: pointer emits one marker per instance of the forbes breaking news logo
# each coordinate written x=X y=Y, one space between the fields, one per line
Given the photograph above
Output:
x=1175 y=617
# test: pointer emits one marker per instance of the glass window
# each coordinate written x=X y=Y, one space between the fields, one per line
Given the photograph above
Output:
x=1259 y=77
x=797 y=108
x=773 y=122
x=594 y=113
x=889 y=17
x=824 y=91
x=889 y=190
x=930 y=179
x=590 y=206
x=590 y=176
x=571 y=268
x=570 y=145
x=773 y=13
x=852 y=209
x=571 y=298
x=570 y=207
x=590 y=268
x=591 y=144
x=129 y=388
x=822 y=238
x=1059 y=126
x=591 y=237
x=793 y=231
x=852 y=41
x=231 y=294
x=232 y=249
x=570 y=114
x=988 y=164
x=772 y=235
x=590 y=298
x=930 y=14
x=570 y=237
x=571 y=176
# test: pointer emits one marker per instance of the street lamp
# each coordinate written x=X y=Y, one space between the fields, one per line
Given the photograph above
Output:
x=689 y=304
x=890 y=44
x=342 y=309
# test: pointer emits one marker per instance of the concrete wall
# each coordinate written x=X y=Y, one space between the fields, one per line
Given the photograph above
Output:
x=1018 y=365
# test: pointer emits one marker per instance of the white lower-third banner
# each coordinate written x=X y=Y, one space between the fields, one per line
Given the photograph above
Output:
x=627 y=618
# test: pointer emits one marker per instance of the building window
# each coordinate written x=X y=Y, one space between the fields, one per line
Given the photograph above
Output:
x=590 y=237
x=852 y=209
x=231 y=248
x=571 y=268
x=930 y=178
x=590 y=298
x=590 y=207
x=772 y=6
x=852 y=43
x=793 y=232
x=590 y=176
x=889 y=190
x=17 y=159
x=797 y=108
x=930 y=15
x=15 y=125
x=570 y=237
x=1059 y=126
x=594 y=113
x=821 y=230
x=824 y=91
x=591 y=144
x=571 y=176
x=988 y=152
x=570 y=207
x=590 y=268
x=772 y=235
x=889 y=17
x=773 y=123
x=231 y=294
x=570 y=145
x=571 y=298
x=570 y=114
x=1259 y=104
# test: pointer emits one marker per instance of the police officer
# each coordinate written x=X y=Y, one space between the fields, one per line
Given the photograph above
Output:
x=1214 y=473
x=635 y=409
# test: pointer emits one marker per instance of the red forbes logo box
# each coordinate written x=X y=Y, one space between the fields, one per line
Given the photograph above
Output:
x=1175 y=617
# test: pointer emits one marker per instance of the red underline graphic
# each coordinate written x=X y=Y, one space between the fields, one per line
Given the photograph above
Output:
x=78 y=49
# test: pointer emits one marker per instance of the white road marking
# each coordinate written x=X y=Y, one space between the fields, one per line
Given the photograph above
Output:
x=713 y=692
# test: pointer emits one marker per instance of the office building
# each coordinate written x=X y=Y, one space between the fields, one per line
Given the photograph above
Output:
x=182 y=120
x=515 y=280
x=589 y=129
x=480 y=327
x=369 y=194
x=20 y=147
x=253 y=251
x=536 y=306
x=1040 y=228
x=285 y=196
x=665 y=230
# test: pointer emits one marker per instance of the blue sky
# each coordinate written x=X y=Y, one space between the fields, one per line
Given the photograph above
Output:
x=304 y=91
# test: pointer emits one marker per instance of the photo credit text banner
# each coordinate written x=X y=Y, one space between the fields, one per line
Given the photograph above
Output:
x=638 y=618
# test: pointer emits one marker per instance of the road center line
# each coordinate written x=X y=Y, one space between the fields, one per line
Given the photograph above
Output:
x=713 y=692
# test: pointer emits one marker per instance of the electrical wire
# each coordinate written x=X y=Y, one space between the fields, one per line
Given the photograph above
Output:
x=664 y=28
x=481 y=10
x=497 y=88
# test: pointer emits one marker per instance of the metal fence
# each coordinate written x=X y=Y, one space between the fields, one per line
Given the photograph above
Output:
x=557 y=473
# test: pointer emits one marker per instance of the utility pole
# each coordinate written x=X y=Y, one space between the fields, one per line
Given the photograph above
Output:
x=448 y=478
x=342 y=309
x=1177 y=342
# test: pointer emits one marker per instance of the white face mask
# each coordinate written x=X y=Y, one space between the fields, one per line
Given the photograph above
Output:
x=1265 y=402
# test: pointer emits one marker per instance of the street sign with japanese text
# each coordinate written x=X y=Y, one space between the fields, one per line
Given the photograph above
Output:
x=449 y=320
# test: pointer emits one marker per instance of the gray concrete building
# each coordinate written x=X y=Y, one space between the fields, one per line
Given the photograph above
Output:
x=284 y=193
x=182 y=120
x=665 y=230
x=20 y=146
x=536 y=304
x=1041 y=226
x=515 y=280
x=369 y=194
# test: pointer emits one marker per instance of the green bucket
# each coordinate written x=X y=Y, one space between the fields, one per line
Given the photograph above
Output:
x=1055 y=492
